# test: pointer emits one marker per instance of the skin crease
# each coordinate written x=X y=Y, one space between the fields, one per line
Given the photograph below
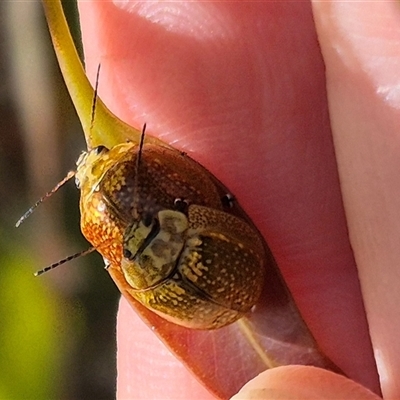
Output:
x=241 y=88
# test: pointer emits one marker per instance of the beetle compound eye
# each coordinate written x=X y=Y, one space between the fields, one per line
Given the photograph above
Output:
x=181 y=205
x=147 y=220
x=228 y=201
x=99 y=150
x=127 y=254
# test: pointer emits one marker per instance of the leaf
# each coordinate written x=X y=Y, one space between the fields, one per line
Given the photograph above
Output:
x=272 y=334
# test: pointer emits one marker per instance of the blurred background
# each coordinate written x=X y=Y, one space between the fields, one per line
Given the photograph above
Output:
x=57 y=332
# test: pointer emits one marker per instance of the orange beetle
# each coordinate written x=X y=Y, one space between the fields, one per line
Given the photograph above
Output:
x=161 y=219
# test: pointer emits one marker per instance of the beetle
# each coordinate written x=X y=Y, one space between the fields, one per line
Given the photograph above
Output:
x=158 y=217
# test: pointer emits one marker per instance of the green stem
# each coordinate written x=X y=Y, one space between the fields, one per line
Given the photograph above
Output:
x=107 y=129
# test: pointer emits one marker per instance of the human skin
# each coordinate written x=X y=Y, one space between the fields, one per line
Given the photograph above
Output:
x=241 y=87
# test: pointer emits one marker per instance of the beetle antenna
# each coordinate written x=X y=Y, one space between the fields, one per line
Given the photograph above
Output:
x=65 y=260
x=136 y=181
x=71 y=173
x=46 y=196
x=95 y=97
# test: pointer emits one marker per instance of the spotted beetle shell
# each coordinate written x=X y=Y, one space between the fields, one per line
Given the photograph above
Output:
x=177 y=248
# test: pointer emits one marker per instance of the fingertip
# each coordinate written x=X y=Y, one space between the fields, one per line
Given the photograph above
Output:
x=360 y=42
x=300 y=382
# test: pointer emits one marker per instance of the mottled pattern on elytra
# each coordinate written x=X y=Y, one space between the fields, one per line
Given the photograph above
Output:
x=101 y=228
x=219 y=272
x=180 y=302
x=223 y=270
x=162 y=179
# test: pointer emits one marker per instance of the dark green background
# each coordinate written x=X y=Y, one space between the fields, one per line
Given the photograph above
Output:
x=57 y=331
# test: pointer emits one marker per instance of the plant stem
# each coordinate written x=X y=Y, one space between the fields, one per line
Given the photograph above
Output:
x=107 y=129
